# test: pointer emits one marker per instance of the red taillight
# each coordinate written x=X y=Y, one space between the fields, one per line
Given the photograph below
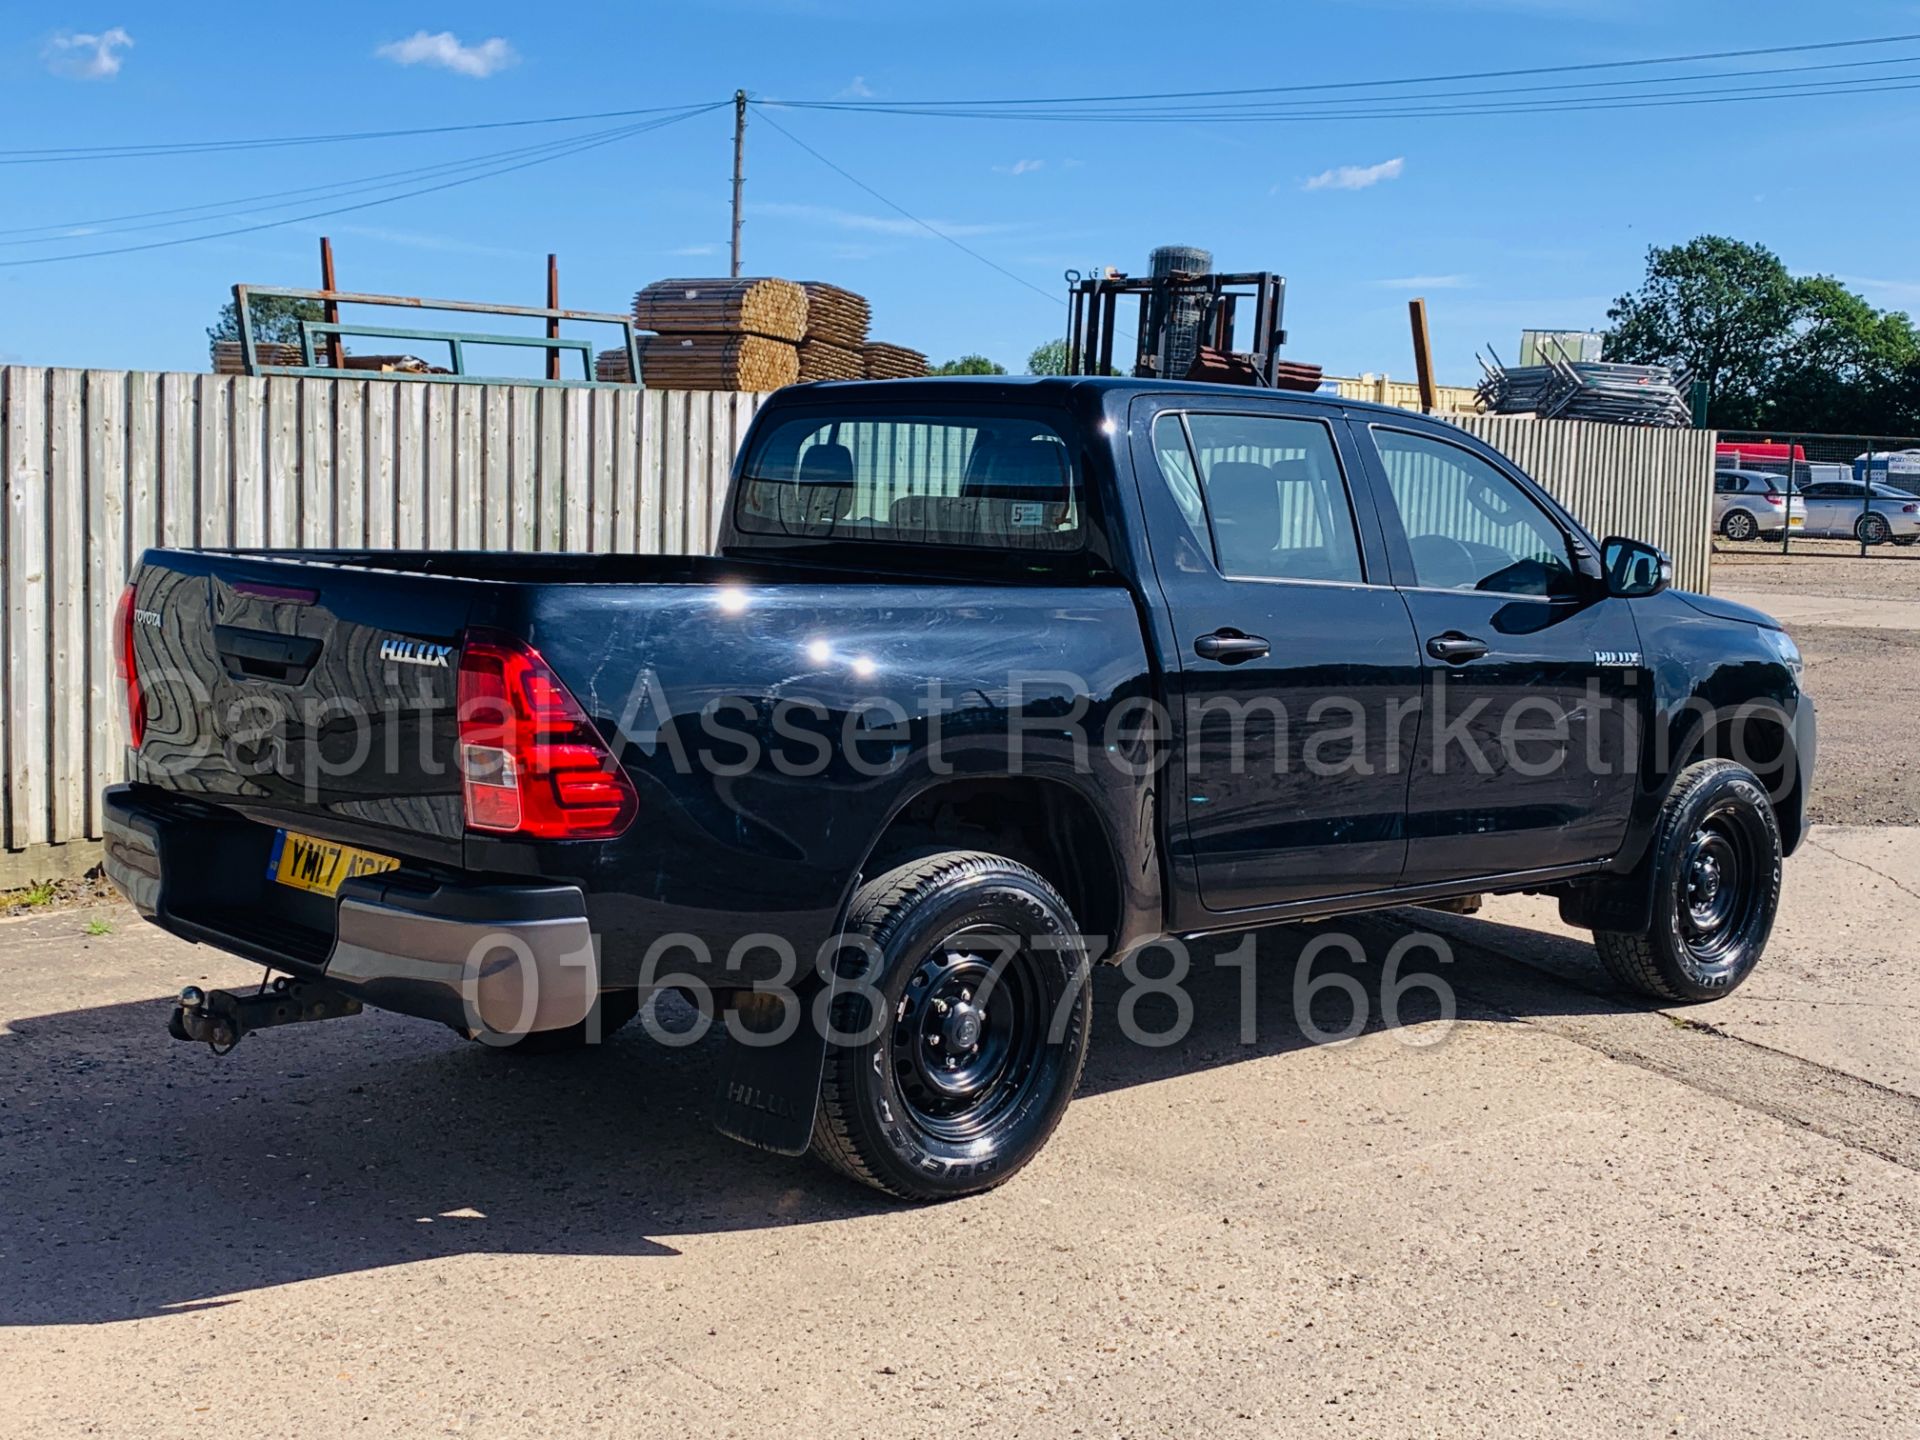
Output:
x=531 y=762
x=1771 y=498
x=129 y=672
x=1910 y=509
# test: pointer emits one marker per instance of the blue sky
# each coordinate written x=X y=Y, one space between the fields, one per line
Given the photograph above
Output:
x=1502 y=224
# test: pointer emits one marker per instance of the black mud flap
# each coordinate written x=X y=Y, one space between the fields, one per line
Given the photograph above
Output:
x=768 y=1092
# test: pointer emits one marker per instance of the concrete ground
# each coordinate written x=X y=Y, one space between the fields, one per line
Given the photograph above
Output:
x=1560 y=1213
x=1542 y=1209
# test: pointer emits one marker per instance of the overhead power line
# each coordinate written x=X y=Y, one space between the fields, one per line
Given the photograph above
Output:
x=902 y=210
x=1413 y=106
x=274 y=199
x=576 y=148
x=1587 y=67
x=55 y=154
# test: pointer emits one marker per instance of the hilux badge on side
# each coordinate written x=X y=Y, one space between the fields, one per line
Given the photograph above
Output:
x=415 y=652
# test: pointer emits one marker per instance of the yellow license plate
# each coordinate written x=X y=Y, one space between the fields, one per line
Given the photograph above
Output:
x=1795 y=522
x=321 y=866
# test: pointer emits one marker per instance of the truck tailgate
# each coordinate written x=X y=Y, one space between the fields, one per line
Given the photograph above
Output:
x=310 y=694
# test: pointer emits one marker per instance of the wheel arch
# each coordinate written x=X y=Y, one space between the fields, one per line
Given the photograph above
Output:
x=1045 y=823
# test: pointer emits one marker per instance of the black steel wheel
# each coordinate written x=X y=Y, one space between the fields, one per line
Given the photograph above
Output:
x=1872 y=529
x=1716 y=886
x=1739 y=525
x=954 y=1063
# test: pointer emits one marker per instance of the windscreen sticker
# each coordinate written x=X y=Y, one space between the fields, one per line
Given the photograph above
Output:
x=1027 y=514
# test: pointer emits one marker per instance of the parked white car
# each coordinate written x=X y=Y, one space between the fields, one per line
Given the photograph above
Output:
x=1842 y=509
x=1751 y=504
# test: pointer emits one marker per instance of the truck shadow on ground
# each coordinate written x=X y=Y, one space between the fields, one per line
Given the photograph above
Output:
x=143 y=1177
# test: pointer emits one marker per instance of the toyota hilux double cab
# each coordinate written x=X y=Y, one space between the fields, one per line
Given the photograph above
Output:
x=986 y=682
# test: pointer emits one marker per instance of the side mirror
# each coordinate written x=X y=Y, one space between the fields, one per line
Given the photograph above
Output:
x=1635 y=568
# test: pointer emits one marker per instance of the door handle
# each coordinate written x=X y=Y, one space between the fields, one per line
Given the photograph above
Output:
x=1455 y=648
x=1230 y=647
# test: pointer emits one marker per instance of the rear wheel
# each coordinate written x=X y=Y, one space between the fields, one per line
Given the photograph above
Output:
x=1739 y=525
x=1873 y=530
x=962 y=1052
x=1716 y=886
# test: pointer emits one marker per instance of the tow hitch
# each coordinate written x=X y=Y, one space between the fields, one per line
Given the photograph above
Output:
x=221 y=1018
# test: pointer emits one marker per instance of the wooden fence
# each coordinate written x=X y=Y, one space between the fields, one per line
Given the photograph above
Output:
x=98 y=465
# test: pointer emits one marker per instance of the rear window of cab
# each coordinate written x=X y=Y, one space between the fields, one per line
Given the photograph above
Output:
x=998 y=479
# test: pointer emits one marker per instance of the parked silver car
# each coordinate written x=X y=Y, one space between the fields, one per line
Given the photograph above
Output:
x=1841 y=509
x=1748 y=504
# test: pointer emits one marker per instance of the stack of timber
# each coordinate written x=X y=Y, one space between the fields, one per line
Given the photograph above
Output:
x=740 y=334
x=612 y=367
x=892 y=362
x=837 y=321
x=773 y=309
x=710 y=362
x=836 y=316
x=823 y=360
x=229 y=360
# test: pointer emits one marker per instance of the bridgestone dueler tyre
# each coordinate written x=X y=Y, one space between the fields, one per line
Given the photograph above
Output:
x=966 y=1045
x=1716 y=887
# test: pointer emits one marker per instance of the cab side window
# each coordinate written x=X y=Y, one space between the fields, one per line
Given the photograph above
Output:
x=1273 y=488
x=1468 y=526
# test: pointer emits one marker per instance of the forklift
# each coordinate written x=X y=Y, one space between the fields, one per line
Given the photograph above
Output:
x=1186 y=327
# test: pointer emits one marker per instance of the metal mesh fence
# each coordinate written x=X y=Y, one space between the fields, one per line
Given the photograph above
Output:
x=1817 y=494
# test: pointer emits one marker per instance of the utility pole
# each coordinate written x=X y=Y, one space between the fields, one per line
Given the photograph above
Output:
x=739 y=162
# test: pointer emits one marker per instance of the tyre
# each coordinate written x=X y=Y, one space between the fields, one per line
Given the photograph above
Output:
x=1739 y=525
x=610 y=1012
x=1872 y=530
x=953 y=1064
x=1716 y=887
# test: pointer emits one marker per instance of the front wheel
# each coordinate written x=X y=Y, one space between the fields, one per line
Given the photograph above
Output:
x=957 y=1051
x=1716 y=887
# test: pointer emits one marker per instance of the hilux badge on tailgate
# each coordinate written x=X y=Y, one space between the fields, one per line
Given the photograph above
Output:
x=415 y=652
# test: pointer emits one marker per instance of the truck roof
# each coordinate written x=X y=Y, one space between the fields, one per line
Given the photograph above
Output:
x=1030 y=388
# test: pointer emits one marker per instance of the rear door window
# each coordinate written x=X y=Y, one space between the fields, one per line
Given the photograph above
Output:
x=1273 y=489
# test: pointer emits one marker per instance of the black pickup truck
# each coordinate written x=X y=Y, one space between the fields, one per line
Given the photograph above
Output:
x=986 y=682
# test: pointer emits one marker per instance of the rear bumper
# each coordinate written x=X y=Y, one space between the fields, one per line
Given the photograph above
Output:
x=501 y=959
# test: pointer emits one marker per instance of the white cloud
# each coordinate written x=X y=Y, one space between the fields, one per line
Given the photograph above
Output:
x=1020 y=167
x=856 y=89
x=87 y=57
x=871 y=224
x=446 y=51
x=1425 y=282
x=1357 y=177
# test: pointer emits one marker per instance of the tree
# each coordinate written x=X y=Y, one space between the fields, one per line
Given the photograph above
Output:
x=1051 y=359
x=970 y=365
x=1720 y=309
x=1846 y=365
x=1048 y=359
x=274 y=319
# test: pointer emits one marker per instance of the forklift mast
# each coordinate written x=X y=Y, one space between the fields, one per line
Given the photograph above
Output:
x=1186 y=325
